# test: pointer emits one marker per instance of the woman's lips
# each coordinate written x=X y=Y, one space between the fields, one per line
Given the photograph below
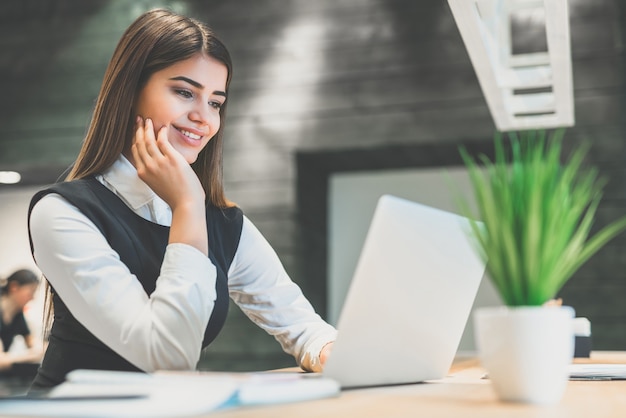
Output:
x=191 y=137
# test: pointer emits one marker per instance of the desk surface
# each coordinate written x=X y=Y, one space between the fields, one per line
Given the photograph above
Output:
x=463 y=393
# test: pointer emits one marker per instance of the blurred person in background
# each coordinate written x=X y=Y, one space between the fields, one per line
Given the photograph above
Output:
x=17 y=290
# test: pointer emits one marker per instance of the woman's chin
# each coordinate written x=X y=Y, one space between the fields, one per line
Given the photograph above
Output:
x=190 y=157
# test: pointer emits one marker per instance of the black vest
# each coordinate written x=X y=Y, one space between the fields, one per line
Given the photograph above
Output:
x=141 y=246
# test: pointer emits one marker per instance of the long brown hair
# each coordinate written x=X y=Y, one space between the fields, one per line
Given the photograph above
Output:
x=154 y=41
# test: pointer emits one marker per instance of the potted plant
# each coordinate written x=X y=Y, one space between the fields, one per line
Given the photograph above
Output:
x=536 y=211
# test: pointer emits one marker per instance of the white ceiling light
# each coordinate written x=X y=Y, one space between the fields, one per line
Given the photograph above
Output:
x=525 y=87
x=10 y=177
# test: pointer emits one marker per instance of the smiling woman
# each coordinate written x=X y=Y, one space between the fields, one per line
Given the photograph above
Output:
x=140 y=247
x=185 y=100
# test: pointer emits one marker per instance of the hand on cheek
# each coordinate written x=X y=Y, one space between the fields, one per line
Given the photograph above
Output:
x=163 y=168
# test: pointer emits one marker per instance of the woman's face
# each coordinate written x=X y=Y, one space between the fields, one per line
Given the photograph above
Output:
x=186 y=97
x=23 y=294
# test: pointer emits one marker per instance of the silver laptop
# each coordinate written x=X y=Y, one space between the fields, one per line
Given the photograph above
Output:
x=410 y=297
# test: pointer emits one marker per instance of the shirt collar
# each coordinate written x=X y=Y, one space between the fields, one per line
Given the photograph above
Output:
x=122 y=176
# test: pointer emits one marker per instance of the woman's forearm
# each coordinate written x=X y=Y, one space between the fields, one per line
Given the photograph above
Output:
x=189 y=226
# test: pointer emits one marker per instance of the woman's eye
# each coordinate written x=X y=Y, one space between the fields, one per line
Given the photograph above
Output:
x=215 y=105
x=184 y=93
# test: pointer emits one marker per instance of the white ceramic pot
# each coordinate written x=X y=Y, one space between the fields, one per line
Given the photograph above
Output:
x=526 y=351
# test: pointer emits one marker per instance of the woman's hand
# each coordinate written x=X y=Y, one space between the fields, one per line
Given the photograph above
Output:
x=171 y=177
x=163 y=168
x=5 y=362
x=325 y=353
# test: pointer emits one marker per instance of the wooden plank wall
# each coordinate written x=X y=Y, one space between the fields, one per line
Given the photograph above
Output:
x=314 y=76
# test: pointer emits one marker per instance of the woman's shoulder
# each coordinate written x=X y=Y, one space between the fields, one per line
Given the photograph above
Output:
x=229 y=215
x=71 y=186
x=61 y=195
x=77 y=186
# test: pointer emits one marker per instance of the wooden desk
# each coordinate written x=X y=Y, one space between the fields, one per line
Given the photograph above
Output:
x=463 y=393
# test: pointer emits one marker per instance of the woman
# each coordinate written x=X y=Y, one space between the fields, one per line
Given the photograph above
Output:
x=140 y=246
x=19 y=289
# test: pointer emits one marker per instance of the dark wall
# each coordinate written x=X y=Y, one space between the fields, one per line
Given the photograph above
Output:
x=342 y=85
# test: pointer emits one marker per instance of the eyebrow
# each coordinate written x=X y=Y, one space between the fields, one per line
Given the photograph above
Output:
x=197 y=85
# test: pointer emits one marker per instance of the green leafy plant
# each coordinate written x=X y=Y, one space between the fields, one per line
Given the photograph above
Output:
x=537 y=213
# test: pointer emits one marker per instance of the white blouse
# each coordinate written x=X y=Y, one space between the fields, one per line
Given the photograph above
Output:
x=164 y=330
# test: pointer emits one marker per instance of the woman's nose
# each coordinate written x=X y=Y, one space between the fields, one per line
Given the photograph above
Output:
x=206 y=119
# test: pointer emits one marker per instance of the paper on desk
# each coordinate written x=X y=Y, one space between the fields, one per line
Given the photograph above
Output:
x=155 y=397
x=597 y=371
x=269 y=388
x=167 y=394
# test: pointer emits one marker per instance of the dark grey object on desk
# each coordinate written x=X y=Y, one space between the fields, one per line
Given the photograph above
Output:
x=582 y=346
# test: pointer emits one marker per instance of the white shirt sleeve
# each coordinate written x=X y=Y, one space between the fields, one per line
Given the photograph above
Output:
x=259 y=284
x=160 y=331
